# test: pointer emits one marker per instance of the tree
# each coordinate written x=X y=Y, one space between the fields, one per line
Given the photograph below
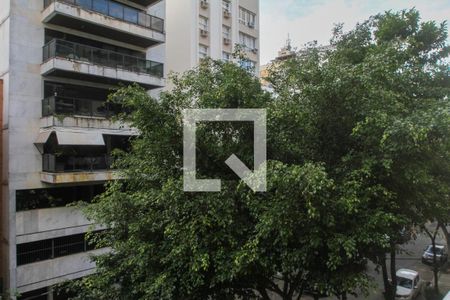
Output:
x=375 y=111
x=169 y=244
x=357 y=144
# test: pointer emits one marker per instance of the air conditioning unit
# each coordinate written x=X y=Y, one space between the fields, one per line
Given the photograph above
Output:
x=251 y=24
x=226 y=41
x=254 y=50
x=226 y=13
x=203 y=32
x=204 y=4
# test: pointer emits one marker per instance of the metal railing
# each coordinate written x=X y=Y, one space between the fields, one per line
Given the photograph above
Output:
x=52 y=248
x=84 y=53
x=58 y=105
x=117 y=11
x=67 y=163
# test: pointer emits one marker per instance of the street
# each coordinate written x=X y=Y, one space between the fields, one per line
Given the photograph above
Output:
x=409 y=258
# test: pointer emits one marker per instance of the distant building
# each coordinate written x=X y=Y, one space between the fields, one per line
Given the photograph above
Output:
x=211 y=28
x=285 y=53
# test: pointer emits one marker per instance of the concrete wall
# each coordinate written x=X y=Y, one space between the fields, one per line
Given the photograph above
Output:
x=49 y=272
x=182 y=34
x=183 y=37
x=41 y=224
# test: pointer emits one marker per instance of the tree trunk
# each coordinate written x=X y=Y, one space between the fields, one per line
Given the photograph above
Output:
x=384 y=272
x=432 y=236
x=393 y=269
x=446 y=234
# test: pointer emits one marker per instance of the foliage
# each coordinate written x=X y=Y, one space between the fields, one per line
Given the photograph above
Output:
x=375 y=110
x=358 y=146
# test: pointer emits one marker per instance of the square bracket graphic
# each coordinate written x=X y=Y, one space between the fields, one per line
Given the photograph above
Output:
x=256 y=180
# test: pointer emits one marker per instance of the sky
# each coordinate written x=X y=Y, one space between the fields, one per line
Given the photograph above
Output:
x=309 y=20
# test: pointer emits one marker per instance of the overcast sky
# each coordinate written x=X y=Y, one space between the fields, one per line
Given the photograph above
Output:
x=308 y=20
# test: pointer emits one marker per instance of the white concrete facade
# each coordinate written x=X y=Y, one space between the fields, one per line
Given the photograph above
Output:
x=23 y=74
x=184 y=36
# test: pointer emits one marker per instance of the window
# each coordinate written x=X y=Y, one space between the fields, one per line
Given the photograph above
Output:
x=202 y=51
x=247 y=41
x=56 y=197
x=51 y=248
x=116 y=10
x=203 y=23
x=130 y=15
x=246 y=17
x=226 y=5
x=248 y=65
x=226 y=56
x=100 y=6
x=226 y=31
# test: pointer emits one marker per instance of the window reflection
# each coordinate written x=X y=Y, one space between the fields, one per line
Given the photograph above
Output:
x=115 y=10
x=100 y=6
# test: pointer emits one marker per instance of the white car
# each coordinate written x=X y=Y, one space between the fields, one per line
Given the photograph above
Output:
x=447 y=297
x=409 y=284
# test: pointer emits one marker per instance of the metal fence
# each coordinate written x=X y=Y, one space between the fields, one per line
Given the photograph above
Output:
x=84 y=53
x=117 y=11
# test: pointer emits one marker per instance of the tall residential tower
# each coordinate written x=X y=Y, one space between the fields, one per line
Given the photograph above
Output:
x=200 y=28
x=58 y=61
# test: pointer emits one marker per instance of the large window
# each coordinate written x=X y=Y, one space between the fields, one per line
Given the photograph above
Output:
x=56 y=197
x=100 y=6
x=247 y=41
x=246 y=17
x=28 y=253
x=248 y=65
x=226 y=31
x=226 y=56
x=226 y=5
x=202 y=51
x=203 y=23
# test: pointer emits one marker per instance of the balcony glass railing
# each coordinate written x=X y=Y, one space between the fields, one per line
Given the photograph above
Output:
x=67 y=163
x=117 y=11
x=79 y=52
x=57 y=105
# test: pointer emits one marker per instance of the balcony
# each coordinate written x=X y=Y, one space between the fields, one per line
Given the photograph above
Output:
x=63 y=163
x=69 y=106
x=40 y=224
x=71 y=169
x=107 y=19
x=59 y=111
x=52 y=271
x=63 y=58
x=72 y=155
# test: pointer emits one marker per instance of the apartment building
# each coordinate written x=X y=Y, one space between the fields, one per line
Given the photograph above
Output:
x=201 y=28
x=58 y=61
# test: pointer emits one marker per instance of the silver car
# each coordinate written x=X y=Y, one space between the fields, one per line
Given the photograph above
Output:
x=441 y=254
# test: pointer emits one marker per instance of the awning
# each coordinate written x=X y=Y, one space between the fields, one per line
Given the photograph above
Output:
x=41 y=140
x=70 y=138
x=80 y=138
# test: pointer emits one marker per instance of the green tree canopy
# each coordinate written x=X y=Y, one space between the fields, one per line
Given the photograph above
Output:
x=358 y=148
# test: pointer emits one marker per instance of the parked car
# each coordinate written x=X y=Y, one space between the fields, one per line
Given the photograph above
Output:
x=441 y=254
x=409 y=284
x=447 y=297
